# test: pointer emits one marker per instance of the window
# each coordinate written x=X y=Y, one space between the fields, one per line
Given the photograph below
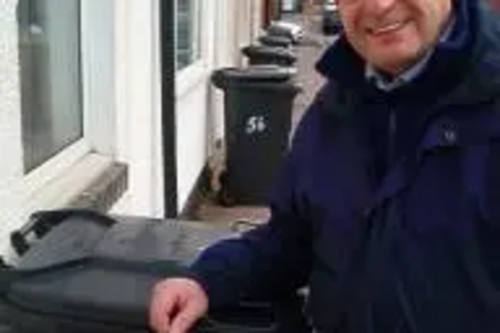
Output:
x=57 y=106
x=50 y=77
x=187 y=32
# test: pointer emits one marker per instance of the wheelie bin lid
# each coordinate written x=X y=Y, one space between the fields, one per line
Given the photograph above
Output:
x=251 y=74
x=268 y=51
x=271 y=40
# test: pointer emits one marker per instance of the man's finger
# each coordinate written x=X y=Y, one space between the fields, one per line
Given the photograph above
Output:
x=161 y=312
x=186 y=318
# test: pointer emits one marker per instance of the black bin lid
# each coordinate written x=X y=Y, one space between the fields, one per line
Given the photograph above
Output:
x=268 y=51
x=252 y=74
x=275 y=40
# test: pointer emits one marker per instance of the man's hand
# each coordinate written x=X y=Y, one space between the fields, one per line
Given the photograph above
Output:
x=176 y=305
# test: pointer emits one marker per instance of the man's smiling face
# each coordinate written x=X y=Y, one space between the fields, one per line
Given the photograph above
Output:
x=393 y=34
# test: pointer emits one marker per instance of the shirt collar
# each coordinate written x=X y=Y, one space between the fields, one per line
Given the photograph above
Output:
x=383 y=83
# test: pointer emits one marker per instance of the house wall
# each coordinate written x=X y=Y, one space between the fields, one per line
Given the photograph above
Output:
x=226 y=26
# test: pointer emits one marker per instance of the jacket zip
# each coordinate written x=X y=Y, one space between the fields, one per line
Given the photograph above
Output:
x=391 y=144
x=383 y=229
x=408 y=319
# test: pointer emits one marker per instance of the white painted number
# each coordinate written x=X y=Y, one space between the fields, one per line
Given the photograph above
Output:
x=255 y=124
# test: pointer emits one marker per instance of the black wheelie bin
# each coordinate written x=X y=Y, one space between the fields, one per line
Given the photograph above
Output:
x=258 y=103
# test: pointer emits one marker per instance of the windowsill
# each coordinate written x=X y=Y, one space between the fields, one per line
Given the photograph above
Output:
x=93 y=182
x=105 y=190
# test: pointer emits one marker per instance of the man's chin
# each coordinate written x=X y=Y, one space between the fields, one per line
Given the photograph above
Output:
x=392 y=63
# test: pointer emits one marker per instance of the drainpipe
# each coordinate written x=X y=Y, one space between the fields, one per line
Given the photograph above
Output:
x=168 y=101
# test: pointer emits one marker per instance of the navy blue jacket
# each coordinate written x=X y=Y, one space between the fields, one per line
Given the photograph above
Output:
x=388 y=206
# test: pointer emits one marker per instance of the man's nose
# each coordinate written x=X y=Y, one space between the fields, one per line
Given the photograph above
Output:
x=380 y=6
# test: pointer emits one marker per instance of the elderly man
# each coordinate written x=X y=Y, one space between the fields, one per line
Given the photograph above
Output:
x=388 y=206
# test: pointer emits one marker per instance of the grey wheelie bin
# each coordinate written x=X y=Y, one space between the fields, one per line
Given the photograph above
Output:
x=258 y=110
x=80 y=271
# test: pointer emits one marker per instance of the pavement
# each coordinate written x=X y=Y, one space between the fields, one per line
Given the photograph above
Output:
x=308 y=52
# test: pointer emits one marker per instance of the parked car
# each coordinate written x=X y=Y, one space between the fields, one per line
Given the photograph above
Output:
x=294 y=31
x=330 y=20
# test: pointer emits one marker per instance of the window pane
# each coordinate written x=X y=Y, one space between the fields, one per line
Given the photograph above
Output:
x=187 y=31
x=49 y=52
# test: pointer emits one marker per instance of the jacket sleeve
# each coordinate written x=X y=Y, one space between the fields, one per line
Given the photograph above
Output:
x=271 y=259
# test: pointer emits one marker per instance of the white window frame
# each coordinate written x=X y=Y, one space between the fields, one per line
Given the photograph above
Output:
x=199 y=12
x=197 y=73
